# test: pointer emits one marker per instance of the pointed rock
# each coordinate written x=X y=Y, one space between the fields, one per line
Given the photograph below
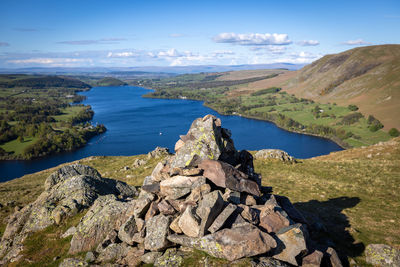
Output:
x=313 y=260
x=293 y=244
x=209 y=208
x=189 y=222
x=222 y=218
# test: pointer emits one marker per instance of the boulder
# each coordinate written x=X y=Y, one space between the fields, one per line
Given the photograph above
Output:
x=171 y=258
x=158 y=152
x=287 y=206
x=72 y=262
x=106 y=214
x=174 y=226
x=189 y=222
x=273 y=218
x=142 y=204
x=382 y=255
x=152 y=211
x=231 y=196
x=179 y=186
x=225 y=175
x=63 y=197
x=292 y=244
x=208 y=209
x=157 y=229
x=274 y=154
x=112 y=253
x=230 y=244
x=204 y=140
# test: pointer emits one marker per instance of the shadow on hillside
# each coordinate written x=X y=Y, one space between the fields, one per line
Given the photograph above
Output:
x=336 y=224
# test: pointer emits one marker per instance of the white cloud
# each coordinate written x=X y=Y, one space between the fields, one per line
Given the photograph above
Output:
x=222 y=53
x=308 y=43
x=121 y=54
x=169 y=53
x=253 y=38
x=50 y=61
x=356 y=42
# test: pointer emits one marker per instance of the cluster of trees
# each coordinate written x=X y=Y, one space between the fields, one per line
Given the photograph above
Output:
x=351 y=118
x=374 y=124
x=55 y=142
x=270 y=90
x=45 y=82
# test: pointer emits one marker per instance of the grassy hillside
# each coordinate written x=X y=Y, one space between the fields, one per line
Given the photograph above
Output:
x=366 y=76
x=354 y=193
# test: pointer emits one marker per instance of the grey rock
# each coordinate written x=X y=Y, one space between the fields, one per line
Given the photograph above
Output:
x=222 y=218
x=142 y=204
x=127 y=231
x=170 y=258
x=287 y=206
x=113 y=252
x=106 y=214
x=189 y=222
x=69 y=232
x=230 y=244
x=382 y=255
x=158 y=152
x=204 y=140
x=151 y=188
x=65 y=196
x=157 y=229
x=69 y=171
x=179 y=186
x=232 y=196
x=90 y=257
x=208 y=209
x=274 y=154
x=151 y=257
x=293 y=244
x=71 y=262
x=197 y=193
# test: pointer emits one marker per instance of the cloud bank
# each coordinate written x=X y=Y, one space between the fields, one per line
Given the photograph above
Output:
x=253 y=38
x=356 y=42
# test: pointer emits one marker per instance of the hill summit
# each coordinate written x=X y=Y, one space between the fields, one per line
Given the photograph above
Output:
x=205 y=197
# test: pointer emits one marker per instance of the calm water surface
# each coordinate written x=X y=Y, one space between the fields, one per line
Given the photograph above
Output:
x=136 y=125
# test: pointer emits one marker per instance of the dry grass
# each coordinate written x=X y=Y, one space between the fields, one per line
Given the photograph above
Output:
x=355 y=192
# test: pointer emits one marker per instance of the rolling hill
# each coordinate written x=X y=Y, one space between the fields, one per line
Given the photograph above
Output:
x=368 y=77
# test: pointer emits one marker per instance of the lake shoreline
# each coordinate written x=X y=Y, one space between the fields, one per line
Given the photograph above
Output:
x=339 y=143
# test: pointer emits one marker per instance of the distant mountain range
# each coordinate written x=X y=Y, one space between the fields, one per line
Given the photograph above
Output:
x=150 y=70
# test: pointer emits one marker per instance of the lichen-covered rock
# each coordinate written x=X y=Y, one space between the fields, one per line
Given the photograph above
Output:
x=292 y=244
x=151 y=257
x=64 y=196
x=69 y=171
x=230 y=244
x=114 y=252
x=204 y=140
x=157 y=229
x=127 y=231
x=382 y=255
x=106 y=214
x=274 y=154
x=170 y=258
x=71 y=262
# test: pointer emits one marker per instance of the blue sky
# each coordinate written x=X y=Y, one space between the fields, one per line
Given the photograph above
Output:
x=89 y=33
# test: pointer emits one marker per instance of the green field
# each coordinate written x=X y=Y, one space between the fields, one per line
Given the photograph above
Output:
x=18 y=147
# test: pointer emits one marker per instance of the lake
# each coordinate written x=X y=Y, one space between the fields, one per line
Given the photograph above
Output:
x=136 y=125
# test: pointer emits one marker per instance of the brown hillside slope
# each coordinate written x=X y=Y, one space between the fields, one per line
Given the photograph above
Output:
x=368 y=77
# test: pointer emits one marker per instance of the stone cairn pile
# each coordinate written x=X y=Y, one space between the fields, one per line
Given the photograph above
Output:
x=206 y=197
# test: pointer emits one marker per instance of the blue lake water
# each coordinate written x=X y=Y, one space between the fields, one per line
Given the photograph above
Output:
x=134 y=125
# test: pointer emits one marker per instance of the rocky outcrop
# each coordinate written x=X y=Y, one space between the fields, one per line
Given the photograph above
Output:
x=382 y=255
x=274 y=154
x=67 y=191
x=206 y=196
